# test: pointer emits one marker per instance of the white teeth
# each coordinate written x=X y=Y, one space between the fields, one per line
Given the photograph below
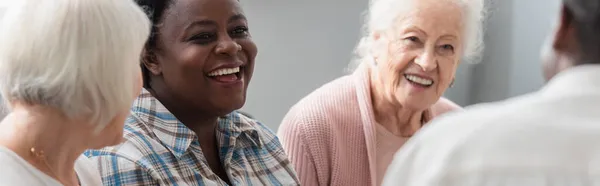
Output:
x=419 y=80
x=224 y=71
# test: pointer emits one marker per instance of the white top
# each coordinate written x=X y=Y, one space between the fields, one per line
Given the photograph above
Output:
x=546 y=138
x=15 y=171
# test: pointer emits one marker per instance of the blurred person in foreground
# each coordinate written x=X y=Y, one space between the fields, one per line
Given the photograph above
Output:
x=545 y=138
x=346 y=132
x=184 y=128
x=69 y=75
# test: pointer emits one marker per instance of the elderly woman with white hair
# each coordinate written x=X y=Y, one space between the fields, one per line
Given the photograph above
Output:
x=69 y=76
x=346 y=132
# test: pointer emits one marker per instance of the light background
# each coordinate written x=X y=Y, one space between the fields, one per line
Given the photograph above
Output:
x=304 y=44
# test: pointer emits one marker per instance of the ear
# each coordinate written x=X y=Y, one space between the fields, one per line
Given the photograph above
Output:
x=376 y=35
x=565 y=30
x=377 y=44
x=150 y=61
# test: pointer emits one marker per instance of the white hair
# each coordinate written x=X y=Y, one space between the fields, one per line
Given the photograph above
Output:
x=78 y=56
x=383 y=14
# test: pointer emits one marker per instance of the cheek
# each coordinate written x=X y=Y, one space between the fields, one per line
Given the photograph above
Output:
x=447 y=72
x=248 y=54
x=250 y=49
x=391 y=78
x=396 y=61
x=186 y=65
x=392 y=67
x=194 y=56
x=397 y=64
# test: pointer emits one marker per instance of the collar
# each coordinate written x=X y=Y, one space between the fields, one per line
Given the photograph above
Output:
x=363 y=92
x=175 y=136
x=574 y=80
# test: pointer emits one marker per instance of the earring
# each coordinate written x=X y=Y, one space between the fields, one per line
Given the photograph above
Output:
x=452 y=83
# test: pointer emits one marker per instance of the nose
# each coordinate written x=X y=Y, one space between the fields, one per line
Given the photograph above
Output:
x=426 y=61
x=228 y=46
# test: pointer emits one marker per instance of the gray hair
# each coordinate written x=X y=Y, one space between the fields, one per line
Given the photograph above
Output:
x=382 y=15
x=78 y=56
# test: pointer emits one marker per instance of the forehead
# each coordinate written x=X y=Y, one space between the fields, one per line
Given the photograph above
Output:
x=183 y=12
x=434 y=17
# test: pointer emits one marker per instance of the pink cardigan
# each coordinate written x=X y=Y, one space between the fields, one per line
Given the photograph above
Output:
x=330 y=134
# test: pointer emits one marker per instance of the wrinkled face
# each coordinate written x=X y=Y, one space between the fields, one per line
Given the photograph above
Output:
x=417 y=58
x=205 y=56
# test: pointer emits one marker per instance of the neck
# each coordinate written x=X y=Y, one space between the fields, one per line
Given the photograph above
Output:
x=389 y=113
x=49 y=132
x=202 y=123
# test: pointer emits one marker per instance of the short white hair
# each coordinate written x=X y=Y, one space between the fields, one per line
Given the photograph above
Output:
x=383 y=14
x=78 y=56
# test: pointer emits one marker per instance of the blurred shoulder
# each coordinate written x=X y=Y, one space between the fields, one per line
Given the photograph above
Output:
x=478 y=137
x=475 y=120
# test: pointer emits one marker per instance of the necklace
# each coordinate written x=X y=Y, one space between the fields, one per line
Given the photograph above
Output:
x=41 y=156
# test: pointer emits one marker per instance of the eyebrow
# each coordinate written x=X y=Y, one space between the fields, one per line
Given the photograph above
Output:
x=233 y=18
x=414 y=29
x=449 y=36
x=236 y=17
x=201 y=23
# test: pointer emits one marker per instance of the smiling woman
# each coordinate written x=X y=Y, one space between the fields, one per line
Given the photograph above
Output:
x=346 y=132
x=183 y=129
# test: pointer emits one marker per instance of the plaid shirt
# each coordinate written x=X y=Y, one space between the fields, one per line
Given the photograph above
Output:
x=160 y=150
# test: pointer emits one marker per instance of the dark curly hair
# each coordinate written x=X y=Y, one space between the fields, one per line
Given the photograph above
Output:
x=155 y=10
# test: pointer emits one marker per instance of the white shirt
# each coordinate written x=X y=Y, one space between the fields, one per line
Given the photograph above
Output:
x=15 y=171
x=551 y=137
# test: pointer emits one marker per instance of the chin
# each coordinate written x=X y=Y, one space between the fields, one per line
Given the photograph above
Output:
x=415 y=102
x=228 y=108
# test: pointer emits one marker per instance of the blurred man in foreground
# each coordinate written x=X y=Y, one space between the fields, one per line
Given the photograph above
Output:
x=545 y=138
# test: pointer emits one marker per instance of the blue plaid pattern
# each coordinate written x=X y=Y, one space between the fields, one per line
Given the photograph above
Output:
x=160 y=150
